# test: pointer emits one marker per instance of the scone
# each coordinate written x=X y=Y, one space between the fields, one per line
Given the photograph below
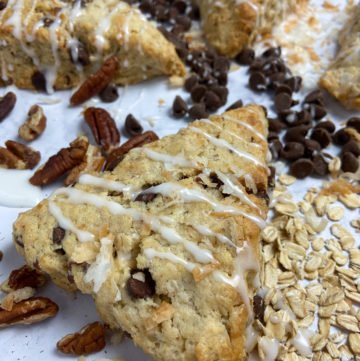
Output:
x=54 y=44
x=229 y=25
x=342 y=79
x=168 y=242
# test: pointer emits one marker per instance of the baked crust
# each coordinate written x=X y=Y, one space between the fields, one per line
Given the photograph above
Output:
x=41 y=36
x=230 y=25
x=198 y=237
x=342 y=79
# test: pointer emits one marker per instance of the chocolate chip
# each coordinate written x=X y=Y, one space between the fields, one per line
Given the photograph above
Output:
x=222 y=78
x=301 y=168
x=315 y=97
x=145 y=197
x=184 y=21
x=221 y=64
x=180 y=6
x=273 y=52
x=317 y=111
x=352 y=146
x=311 y=147
x=276 y=79
x=212 y=101
x=80 y=54
x=58 y=235
x=320 y=165
x=179 y=107
x=19 y=241
x=3 y=4
x=328 y=125
x=349 y=162
x=235 y=105
x=276 y=148
x=194 y=13
x=293 y=118
x=354 y=122
x=256 y=66
x=272 y=136
x=198 y=111
x=139 y=289
x=276 y=125
x=271 y=177
x=257 y=81
x=292 y=151
x=283 y=102
x=198 y=93
x=109 y=94
x=259 y=308
x=341 y=137
x=222 y=92
x=246 y=56
x=132 y=126
x=322 y=136
x=38 y=81
x=294 y=83
x=282 y=88
x=296 y=134
x=190 y=82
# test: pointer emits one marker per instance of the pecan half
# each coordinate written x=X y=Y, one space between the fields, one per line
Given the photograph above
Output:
x=96 y=82
x=89 y=339
x=35 y=309
x=117 y=154
x=34 y=125
x=7 y=103
x=18 y=156
x=92 y=162
x=103 y=127
x=60 y=163
x=26 y=277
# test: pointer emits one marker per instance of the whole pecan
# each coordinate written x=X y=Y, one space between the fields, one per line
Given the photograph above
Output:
x=18 y=156
x=7 y=103
x=34 y=125
x=89 y=339
x=96 y=82
x=35 y=309
x=26 y=277
x=117 y=154
x=58 y=164
x=103 y=127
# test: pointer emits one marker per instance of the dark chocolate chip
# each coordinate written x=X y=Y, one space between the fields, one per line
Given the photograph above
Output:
x=311 y=147
x=276 y=148
x=198 y=93
x=259 y=308
x=222 y=78
x=322 y=136
x=320 y=165
x=352 y=146
x=139 y=289
x=282 y=88
x=276 y=79
x=327 y=124
x=58 y=235
x=180 y=6
x=273 y=52
x=222 y=93
x=354 y=122
x=190 y=82
x=301 y=168
x=283 y=102
x=221 y=64
x=198 y=111
x=256 y=66
x=179 y=107
x=194 y=13
x=276 y=125
x=184 y=21
x=315 y=97
x=246 y=56
x=38 y=81
x=3 y=4
x=212 y=101
x=293 y=118
x=349 y=162
x=145 y=197
x=80 y=54
x=341 y=137
x=109 y=94
x=296 y=134
x=235 y=105
x=292 y=151
x=257 y=81
x=1 y=253
x=272 y=136
x=132 y=126
x=146 y=7
x=294 y=83
x=317 y=111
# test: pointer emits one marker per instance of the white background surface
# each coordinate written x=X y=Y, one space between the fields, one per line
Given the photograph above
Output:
x=38 y=342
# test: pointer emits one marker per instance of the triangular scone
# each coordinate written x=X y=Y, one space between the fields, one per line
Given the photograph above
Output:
x=342 y=79
x=229 y=25
x=167 y=243
x=66 y=41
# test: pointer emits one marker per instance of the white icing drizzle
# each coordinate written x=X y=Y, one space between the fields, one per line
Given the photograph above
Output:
x=206 y=231
x=73 y=43
x=244 y=261
x=99 y=270
x=224 y=144
x=15 y=18
x=169 y=234
x=88 y=179
x=126 y=30
x=169 y=160
x=66 y=224
x=246 y=125
x=194 y=195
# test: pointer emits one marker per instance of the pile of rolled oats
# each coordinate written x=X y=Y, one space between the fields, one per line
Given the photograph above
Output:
x=311 y=275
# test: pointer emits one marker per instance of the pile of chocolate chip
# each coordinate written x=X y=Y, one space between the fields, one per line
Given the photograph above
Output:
x=306 y=134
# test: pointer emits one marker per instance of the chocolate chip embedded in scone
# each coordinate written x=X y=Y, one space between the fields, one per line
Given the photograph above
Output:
x=140 y=284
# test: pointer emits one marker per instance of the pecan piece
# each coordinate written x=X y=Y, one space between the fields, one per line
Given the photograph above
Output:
x=7 y=103
x=89 y=339
x=32 y=310
x=25 y=276
x=93 y=162
x=96 y=82
x=60 y=163
x=117 y=154
x=34 y=125
x=103 y=127
x=18 y=156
